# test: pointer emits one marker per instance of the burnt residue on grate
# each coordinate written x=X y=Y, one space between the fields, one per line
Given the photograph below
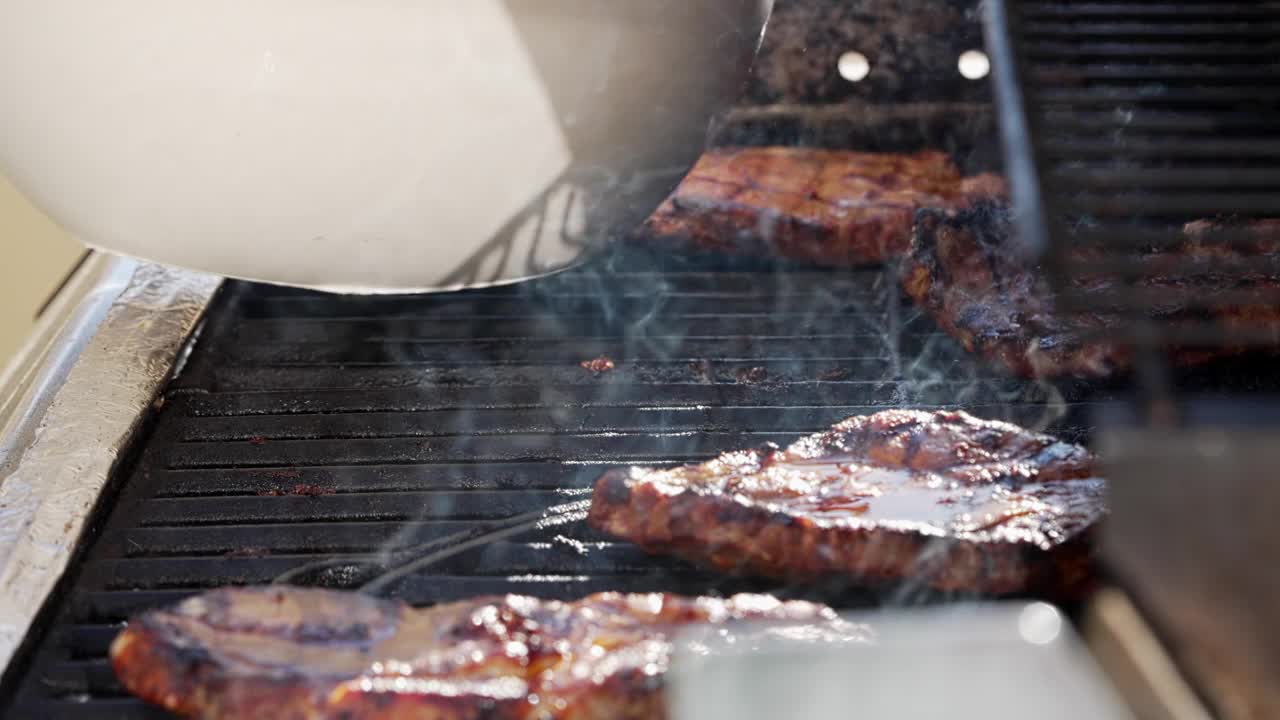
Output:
x=329 y=440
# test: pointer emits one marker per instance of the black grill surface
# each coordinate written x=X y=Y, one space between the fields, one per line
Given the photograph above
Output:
x=322 y=439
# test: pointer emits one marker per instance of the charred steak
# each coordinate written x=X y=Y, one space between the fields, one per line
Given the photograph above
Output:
x=942 y=499
x=291 y=654
x=830 y=207
x=965 y=272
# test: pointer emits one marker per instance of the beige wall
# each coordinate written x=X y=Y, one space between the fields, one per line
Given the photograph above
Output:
x=35 y=255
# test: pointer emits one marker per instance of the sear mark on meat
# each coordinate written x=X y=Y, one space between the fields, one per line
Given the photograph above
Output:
x=829 y=207
x=937 y=498
x=964 y=271
x=304 y=653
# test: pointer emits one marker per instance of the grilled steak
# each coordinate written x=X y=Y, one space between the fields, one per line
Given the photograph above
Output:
x=292 y=653
x=964 y=271
x=829 y=207
x=937 y=498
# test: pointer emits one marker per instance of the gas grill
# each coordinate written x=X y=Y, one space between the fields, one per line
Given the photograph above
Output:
x=438 y=447
x=324 y=440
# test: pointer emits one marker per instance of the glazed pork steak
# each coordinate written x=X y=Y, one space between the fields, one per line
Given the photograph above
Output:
x=829 y=207
x=965 y=270
x=940 y=499
x=287 y=653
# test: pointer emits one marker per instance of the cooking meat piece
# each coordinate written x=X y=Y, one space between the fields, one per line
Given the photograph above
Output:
x=829 y=207
x=294 y=654
x=964 y=271
x=941 y=499
x=1263 y=233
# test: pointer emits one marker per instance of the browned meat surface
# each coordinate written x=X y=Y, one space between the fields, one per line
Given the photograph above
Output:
x=942 y=499
x=830 y=207
x=964 y=271
x=1263 y=232
x=283 y=653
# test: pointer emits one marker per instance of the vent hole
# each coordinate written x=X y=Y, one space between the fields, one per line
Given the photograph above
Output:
x=853 y=66
x=974 y=64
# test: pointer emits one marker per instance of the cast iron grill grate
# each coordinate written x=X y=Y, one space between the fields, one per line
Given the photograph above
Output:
x=308 y=431
x=1154 y=148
